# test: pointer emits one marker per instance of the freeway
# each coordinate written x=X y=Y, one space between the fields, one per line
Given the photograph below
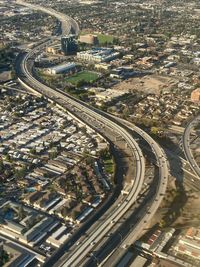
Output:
x=68 y=24
x=58 y=96
x=186 y=145
x=153 y=204
x=83 y=112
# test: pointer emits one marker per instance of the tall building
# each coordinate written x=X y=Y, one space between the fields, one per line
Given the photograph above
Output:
x=68 y=45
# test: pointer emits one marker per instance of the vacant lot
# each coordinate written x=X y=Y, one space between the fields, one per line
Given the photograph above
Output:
x=147 y=84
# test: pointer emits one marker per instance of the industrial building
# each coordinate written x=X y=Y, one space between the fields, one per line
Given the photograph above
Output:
x=68 y=45
x=98 y=55
x=89 y=39
x=63 y=68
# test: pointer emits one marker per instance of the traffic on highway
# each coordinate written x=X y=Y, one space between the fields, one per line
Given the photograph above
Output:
x=186 y=145
x=88 y=114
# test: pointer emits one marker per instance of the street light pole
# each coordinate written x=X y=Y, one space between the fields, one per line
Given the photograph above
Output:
x=96 y=259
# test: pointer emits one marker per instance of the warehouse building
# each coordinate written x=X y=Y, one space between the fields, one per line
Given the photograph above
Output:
x=89 y=39
x=63 y=68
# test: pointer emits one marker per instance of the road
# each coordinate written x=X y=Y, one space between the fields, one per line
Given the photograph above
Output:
x=82 y=108
x=68 y=24
x=186 y=145
x=104 y=121
x=153 y=204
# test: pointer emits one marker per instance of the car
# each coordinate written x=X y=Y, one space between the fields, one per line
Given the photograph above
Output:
x=92 y=243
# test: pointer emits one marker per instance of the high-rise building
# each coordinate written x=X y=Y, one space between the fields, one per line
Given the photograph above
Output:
x=68 y=45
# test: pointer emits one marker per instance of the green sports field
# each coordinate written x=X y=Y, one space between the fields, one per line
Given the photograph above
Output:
x=103 y=39
x=85 y=76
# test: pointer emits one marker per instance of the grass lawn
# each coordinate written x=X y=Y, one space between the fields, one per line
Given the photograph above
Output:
x=86 y=76
x=103 y=38
x=109 y=166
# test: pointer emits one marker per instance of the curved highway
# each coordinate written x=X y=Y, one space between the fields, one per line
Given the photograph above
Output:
x=68 y=24
x=186 y=145
x=78 y=107
x=162 y=185
x=58 y=96
x=153 y=205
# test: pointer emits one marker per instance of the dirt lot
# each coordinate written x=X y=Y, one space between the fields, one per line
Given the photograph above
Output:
x=164 y=263
x=180 y=208
x=147 y=84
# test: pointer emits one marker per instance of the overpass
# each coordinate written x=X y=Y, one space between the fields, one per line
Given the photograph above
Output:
x=147 y=214
x=69 y=102
x=89 y=115
x=186 y=145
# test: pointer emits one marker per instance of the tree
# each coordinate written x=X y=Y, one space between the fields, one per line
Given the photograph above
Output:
x=33 y=151
x=154 y=130
x=1 y=166
x=80 y=83
x=20 y=173
x=21 y=212
x=74 y=214
x=8 y=157
x=64 y=212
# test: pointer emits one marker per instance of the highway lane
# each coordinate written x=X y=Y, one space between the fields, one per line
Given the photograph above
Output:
x=103 y=120
x=162 y=162
x=140 y=166
x=156 y=200
x=136 y=183
x=77 y=106
x=186 y=145
x=112 y=248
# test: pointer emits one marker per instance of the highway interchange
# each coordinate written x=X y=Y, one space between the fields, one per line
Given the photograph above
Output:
x=105 y=124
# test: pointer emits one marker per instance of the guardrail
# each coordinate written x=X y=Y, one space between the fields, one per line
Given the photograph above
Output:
x=137 y=184
x=186 y=146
